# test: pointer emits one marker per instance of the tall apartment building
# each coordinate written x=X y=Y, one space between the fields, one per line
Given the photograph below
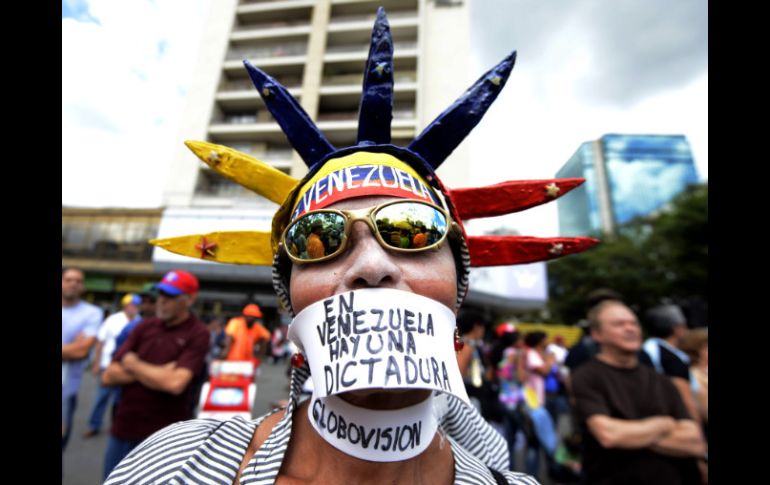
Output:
x=317 y=49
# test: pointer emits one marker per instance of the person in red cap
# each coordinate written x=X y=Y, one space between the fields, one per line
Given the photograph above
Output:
x=156 y=366
x=244 y=333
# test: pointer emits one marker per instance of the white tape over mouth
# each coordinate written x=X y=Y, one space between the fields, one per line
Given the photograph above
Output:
x=379 y=338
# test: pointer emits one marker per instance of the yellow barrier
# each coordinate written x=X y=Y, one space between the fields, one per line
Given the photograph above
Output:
x=570 y=333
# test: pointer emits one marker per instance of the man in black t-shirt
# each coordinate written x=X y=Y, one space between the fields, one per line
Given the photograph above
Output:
x=637 y=430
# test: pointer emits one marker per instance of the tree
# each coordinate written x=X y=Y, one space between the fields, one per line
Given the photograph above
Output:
x=661 y=256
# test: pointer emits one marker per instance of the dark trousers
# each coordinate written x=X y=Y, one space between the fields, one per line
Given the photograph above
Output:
x=103 y=395
x=117 y=449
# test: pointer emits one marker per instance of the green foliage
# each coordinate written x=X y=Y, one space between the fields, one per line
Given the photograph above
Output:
x=660 y=256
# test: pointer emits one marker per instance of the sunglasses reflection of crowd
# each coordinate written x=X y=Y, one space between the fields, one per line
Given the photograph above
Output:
x=320 y=234
x=415 y=237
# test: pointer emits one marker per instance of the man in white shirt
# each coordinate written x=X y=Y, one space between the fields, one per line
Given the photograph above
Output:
x=558 y=349
x=79 y=325
x=105 y=347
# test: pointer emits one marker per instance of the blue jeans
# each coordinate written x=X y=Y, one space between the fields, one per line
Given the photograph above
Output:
x=68 y=414
x=117 y=449
x=542 y=434
x=103 y=394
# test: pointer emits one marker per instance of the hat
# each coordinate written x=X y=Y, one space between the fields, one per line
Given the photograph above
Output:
x=504 y=328
x=130 y=298
x=397 y=171
x=177 y=282
x=252 y=310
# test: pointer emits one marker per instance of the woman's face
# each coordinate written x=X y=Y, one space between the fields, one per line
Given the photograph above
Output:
x=366 y=264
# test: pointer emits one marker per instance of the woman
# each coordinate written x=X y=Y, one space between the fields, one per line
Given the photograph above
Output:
x=696 y=344
x=536 y=364
x=374 y=320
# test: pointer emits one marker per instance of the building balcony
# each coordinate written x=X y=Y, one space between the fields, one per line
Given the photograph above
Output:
x=279 y=11
x=246 y=33
x=273 y=65
x=406 y=46
x=360 y=31
x=348 y=98
x=257 y=52
x=340 y=131
x=349 y=8
x=246 y=99
x=263 y=131
x=353 y=62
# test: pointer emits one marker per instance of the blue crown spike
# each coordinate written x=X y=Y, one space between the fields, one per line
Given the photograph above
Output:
x=442 y=136
x=302 y=133
x=376 y=109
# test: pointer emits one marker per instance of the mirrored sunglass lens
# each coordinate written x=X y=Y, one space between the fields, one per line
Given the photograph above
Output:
x=315 y=236
x=410 y=225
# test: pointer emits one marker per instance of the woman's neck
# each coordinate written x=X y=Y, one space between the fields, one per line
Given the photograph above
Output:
x=310 y=459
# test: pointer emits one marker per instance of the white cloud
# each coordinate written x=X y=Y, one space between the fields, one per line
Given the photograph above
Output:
x=123 y=79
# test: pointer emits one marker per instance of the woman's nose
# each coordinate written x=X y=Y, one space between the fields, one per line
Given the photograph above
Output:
x=372 y=266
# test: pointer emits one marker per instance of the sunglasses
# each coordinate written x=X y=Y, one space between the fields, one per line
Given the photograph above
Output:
x=404 y=226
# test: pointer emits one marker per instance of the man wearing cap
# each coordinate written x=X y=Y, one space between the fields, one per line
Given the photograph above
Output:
x=244 y=333
x=105 y=347
x=156 y=366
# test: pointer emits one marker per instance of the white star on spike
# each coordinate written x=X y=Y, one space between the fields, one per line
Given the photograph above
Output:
x=557 y=249
x=552 y=189
x=213 y=157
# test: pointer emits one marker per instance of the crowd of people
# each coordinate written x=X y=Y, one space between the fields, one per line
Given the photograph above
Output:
x=150 y=358
x=610 y=406
x=613 y=408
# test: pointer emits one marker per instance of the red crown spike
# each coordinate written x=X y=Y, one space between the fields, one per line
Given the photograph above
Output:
x=509 y=197
x=507 y=250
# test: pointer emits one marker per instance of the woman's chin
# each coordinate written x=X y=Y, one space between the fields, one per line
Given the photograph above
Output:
x=381 y=398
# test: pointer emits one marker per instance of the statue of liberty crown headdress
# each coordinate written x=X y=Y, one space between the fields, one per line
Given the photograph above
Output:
x=424 y=154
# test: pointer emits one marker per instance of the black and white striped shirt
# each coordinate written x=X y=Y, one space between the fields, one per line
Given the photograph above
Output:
x=210 y=451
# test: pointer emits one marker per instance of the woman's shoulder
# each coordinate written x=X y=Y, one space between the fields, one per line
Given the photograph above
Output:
x=164 y=454
x=470 y=469
x=464 y=424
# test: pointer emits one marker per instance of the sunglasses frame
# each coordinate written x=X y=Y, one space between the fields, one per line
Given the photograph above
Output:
x=367 y=215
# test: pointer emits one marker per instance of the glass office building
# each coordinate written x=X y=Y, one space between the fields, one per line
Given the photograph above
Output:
x=626 y=176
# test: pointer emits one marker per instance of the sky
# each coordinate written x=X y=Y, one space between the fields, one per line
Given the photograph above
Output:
x=583 y=69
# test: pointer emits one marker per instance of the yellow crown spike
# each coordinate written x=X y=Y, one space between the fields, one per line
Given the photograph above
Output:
x=234 y=247
x=244 y=170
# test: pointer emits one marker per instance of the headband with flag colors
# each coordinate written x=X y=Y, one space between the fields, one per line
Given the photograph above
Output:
x=360 y=174
x=375 y=166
